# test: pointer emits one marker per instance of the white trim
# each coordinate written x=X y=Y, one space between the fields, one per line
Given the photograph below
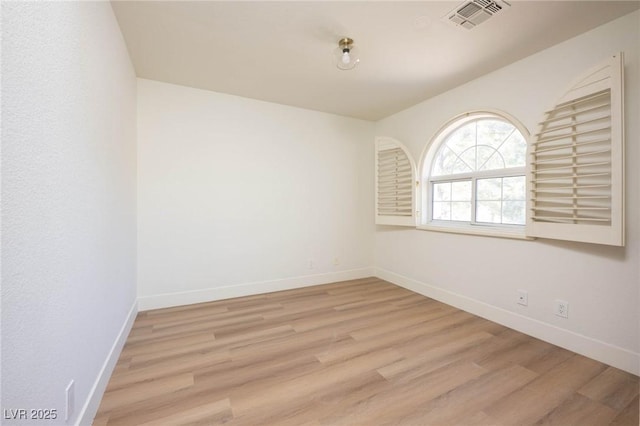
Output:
x=604 y=352
x=92 y=403
x=166 y=300
x=484 y=174
x=481 y=230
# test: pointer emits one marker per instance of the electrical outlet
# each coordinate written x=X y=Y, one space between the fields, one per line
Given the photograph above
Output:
x=336 y=261
x=310 y=264
x=70 y=398
x=523 y=298
x=562 y=308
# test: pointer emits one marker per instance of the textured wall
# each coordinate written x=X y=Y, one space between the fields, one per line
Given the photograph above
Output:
x=237 y=192
x=68 y=199
x=599 y=282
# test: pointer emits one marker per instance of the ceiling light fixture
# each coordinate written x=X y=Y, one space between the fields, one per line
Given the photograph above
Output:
x=346 y=54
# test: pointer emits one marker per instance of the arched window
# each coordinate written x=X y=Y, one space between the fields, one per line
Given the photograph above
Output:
x=478 y=175
x=474 y=173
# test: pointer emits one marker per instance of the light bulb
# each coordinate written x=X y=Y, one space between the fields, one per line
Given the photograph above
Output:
x=345 y=57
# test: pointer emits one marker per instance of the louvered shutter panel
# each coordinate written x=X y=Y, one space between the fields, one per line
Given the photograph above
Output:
x=395 y=188
x=577 y=162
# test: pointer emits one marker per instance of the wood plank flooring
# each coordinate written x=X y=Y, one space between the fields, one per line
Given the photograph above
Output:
x=361 y=352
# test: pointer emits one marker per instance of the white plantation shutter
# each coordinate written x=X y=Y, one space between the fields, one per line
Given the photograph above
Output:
x=577 y=162
x=395 y=184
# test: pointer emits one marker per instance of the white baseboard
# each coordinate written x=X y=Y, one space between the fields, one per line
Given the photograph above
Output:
x=166 y=300
x=604 y=352
x=92 y=403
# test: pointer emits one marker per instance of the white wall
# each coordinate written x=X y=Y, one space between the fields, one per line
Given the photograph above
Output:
x=482 y=274
x=68 y=203
x=236 y=196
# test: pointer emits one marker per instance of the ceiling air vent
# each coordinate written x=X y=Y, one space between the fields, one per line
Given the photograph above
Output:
x=472 y=13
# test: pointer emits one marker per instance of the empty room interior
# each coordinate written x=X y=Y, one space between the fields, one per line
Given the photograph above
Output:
x=320 y=212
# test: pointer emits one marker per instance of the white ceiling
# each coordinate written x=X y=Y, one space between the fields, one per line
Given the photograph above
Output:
x=283 y=51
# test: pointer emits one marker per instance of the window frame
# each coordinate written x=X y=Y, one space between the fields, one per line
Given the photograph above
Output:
x=473 y=227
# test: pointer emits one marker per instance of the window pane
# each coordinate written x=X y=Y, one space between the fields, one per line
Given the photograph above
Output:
x=462 y=138
x=513 y=212
x=466 y=162
x=489 y=189
x=514 y=188
x=501 y=200
x=442 y=191
x=489 y=159
x=461 y=211
x=441 y=210
x=485 y=144
x=461 y=191
x=514 y=150
x=488 y=211
x=493 y=133
x=460 y=166
x=443 y=164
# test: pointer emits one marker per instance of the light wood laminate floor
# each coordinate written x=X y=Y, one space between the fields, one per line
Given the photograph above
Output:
x=361 y=352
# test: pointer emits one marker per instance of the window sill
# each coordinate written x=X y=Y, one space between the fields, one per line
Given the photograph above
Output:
x=484 y=231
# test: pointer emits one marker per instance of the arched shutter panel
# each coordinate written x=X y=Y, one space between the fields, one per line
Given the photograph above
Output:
x=395 y=184
x=576 y=167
